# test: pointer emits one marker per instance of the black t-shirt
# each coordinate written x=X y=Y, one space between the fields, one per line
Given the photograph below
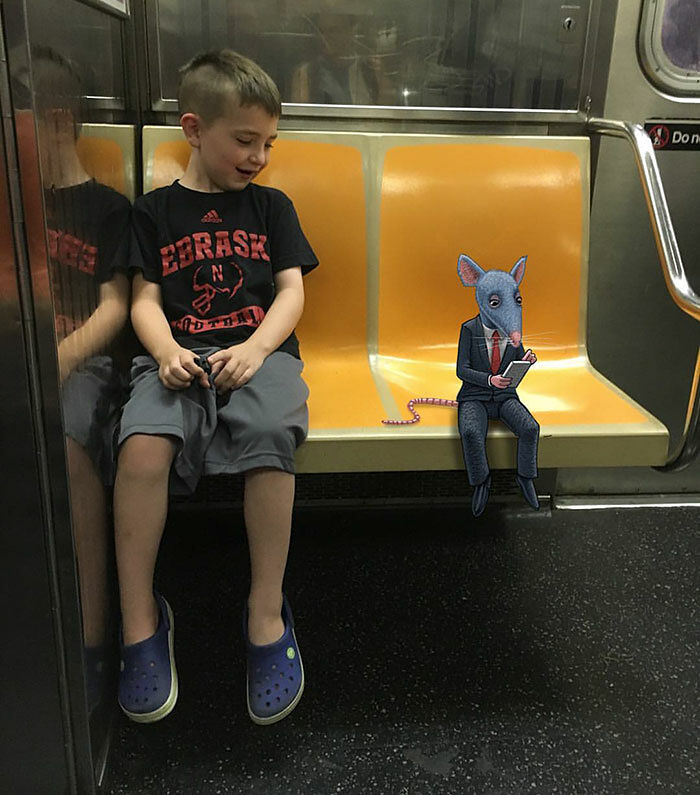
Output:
x=215 y=256
x=88 y=238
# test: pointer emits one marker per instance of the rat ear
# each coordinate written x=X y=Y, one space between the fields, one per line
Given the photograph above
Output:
x=469 y=272
x=518 y=270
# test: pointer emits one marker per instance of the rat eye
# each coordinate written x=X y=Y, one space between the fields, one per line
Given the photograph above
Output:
x=494 y=301
x=519 y=300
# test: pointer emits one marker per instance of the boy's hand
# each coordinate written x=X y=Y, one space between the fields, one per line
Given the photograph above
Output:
x=235 y=366
x=177 y=369
x=529 y=356
x=500 y=382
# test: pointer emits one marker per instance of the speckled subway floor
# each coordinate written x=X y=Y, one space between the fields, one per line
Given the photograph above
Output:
x=520 y=653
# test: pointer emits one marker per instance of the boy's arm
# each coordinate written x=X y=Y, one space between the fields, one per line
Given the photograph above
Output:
x=176 y=365
x=99 y=329
x=236 y=365
x=284 y=312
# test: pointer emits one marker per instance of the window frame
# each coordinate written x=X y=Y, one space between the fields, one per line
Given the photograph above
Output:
x=657 y=66
x=118 y=8
x=302 y=111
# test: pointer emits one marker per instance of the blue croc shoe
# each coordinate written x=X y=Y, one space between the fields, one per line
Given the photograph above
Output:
x=275 y=676
x=147 y=678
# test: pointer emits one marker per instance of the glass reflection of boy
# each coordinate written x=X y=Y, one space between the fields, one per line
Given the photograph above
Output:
x=87 y=225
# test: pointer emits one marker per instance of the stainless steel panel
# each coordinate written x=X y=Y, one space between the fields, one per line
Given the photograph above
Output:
x=39 y=559
x=674 y=272
x=75 y=233
x=32 y=757
x=637 y=336
x=356 y=116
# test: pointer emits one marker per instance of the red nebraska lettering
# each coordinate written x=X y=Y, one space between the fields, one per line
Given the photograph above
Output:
x=202 y=245
x=89 y=259
x=72 y=252
x=222 y=244
x=68 y=250
x=257 y=250
x=167 y=258
x=184 y=252
x=241 y=238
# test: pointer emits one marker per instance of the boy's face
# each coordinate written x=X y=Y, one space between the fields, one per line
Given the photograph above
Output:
x=234 y=148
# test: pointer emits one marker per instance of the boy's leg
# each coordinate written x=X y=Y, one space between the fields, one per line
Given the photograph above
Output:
x=267 y=507
x=140 y=511
x=89 y=510
x=90 y=397
x=260 y=427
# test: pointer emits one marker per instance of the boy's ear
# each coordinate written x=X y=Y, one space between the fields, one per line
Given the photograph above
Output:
x=191 y=125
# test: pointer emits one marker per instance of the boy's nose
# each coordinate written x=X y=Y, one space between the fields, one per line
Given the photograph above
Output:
x=258 y=156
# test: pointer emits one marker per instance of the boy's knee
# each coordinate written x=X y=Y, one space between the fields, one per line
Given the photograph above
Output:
x=145 y=457
x=267 y=434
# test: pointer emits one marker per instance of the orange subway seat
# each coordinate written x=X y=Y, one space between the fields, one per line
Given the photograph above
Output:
x=495 y=202
x=333 y=330
x=167 y=162
x=103 y=160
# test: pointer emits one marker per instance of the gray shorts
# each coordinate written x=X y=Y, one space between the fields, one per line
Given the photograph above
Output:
x=91 y=399
x=261 y=424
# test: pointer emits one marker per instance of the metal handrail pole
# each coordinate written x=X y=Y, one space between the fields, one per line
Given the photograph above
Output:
x=669 y=254
x=672 y=265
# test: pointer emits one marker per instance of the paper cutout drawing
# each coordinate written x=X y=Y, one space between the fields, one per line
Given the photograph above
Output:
x=491 y=361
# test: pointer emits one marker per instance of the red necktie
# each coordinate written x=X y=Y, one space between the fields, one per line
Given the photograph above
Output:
x=495 y=353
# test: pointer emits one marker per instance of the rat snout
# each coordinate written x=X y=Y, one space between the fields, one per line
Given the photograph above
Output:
x=515 y=337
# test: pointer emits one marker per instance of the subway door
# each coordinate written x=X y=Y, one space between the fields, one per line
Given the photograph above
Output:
x=74 y=137
x=38 y=734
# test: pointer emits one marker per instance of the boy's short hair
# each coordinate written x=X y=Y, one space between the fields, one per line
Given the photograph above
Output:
x=210 y=81
x=57 y=84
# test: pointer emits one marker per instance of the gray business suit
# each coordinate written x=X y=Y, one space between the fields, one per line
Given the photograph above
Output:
x=479 y=402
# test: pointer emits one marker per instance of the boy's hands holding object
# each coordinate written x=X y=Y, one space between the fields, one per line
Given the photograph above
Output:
x=178 y=368
x=232 y=367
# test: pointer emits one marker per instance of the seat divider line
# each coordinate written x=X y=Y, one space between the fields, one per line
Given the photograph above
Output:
x=373 y=153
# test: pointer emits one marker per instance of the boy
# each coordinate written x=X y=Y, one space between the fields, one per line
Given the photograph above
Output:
x=216 y=296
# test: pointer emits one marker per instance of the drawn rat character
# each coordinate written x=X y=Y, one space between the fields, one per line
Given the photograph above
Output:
x=488 y=343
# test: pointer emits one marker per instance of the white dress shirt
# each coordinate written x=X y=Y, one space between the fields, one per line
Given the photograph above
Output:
x=502 y=342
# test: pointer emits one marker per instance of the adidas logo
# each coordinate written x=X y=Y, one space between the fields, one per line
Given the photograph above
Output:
x=212 y=217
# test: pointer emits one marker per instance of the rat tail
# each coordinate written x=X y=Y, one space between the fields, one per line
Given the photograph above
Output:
x=416 y=417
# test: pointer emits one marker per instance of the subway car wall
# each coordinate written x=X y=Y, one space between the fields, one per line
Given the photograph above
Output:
x=72 y=196
x=82 y=80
